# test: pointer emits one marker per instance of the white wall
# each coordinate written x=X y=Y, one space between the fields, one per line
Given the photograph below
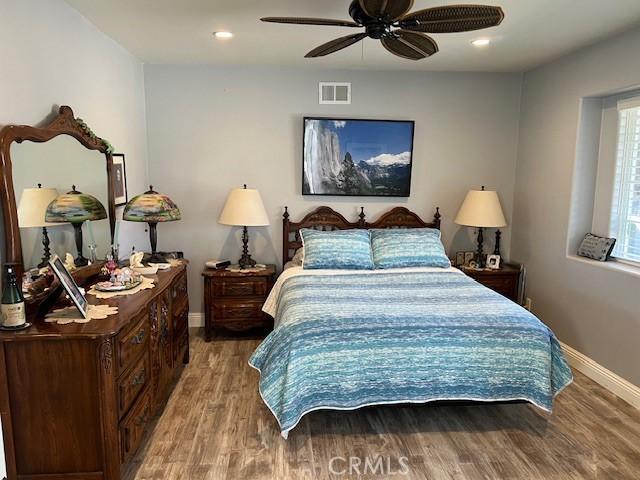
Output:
x=214 y=129
x=52 y=56
x=596 y=310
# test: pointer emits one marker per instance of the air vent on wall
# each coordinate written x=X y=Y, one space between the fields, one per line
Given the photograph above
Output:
x=334 y=93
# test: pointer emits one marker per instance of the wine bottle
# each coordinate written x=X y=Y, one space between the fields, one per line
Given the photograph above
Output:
x=12 y=307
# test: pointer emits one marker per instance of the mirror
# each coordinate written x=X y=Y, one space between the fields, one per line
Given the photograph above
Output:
x=59 y=163
x=61 y=153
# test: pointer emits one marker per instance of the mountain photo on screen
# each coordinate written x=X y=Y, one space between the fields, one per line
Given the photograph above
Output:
x=357 y=157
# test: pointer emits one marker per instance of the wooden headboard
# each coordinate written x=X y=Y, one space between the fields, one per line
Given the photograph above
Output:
x=326 y=218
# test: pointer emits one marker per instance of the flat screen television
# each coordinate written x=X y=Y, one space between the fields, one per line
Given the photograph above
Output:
x=357 y=157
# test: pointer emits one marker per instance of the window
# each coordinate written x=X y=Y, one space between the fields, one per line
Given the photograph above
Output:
x=625 y=210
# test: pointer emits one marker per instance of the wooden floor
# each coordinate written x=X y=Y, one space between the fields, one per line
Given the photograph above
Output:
x=215 y=426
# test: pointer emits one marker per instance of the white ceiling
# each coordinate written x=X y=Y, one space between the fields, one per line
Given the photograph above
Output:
x=180 y=31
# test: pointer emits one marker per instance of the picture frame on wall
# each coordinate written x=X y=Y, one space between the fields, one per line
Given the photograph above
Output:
x=357 y=157
x=119 y=174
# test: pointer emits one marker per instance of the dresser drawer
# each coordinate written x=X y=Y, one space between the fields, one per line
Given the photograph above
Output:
x=182 y=346
x=238 y=309
x=239 y=287
x=132 y=343
x=133 y=426
x=131 y=384
x=179 y=294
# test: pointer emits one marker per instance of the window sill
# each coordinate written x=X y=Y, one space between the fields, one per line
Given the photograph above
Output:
x=611 y=265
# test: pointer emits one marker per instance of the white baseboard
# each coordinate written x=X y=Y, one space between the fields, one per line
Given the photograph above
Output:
x=196 y=320
x=609 y=380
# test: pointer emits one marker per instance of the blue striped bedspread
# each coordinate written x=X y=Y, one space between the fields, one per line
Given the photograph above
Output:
x=344 y=341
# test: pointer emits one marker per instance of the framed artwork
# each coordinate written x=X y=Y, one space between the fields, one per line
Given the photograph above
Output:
x=354 y=157
x=460 y=259
x=69 y=284
x=120 y=179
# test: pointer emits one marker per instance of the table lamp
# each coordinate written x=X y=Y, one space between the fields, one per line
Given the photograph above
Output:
x=31 y=212
x=244 y=208
x=153 y=208
x=481 y=209
x=75 y=207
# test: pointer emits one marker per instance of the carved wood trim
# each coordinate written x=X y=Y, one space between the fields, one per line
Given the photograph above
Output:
x=63 y=123
x=326 y=218
x=106 y=355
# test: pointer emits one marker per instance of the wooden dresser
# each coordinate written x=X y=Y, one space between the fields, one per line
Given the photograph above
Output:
x=505 y=281
x=76 y=399
x=233 y=300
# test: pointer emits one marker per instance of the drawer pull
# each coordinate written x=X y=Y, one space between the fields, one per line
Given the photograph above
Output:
x=142 y=418
x=139 y=338
x=139 y=379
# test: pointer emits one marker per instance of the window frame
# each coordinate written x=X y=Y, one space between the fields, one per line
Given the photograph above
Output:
x=620 y=187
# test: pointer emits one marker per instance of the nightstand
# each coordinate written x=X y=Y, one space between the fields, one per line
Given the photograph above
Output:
x=504 y=281
x=233 y=300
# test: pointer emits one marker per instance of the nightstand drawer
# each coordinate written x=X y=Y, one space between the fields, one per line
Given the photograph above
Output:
x=133 y=383
x=239 y=287
x=131 y=344
x=506 y=285
x=238 y=309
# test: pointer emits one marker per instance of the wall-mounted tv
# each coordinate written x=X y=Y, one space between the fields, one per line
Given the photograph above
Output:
x=355 y=157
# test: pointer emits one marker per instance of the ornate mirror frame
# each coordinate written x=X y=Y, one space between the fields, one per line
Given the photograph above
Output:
x=63 y=123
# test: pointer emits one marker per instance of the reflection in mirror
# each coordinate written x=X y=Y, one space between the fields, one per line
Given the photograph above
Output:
x=57 y=164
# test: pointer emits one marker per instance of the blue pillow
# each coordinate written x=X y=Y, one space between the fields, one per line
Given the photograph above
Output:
x=408 y=247
x=338 y=249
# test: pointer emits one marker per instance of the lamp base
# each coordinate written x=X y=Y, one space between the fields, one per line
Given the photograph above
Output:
x=46 y=250
x=154 y=258
x=480 y=260
x=80 y=260
x=245 y=260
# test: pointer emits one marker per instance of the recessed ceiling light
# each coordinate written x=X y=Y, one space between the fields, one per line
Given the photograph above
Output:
x=481 y=42
x=222 y=34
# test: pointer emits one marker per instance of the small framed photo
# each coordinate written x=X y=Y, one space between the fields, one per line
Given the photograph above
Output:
x=119 y=175
x=493 y=262
x=459 y=259
x=69 y=284
x=468 y=258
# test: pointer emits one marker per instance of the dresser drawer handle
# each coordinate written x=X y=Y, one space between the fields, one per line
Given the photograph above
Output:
x=139 y=379
x=142 y=419
x=139 y=338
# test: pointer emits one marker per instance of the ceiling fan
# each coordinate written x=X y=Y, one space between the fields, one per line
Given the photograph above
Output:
x=400 y=32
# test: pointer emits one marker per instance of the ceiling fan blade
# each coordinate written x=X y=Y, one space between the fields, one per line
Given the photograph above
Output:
x=410 y=45
x=453 y=18
x=335 y=45
x=395 y=9
x=310 y=21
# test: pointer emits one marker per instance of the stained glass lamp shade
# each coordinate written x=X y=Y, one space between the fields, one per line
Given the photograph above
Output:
x=152 y=207
x=75 y=207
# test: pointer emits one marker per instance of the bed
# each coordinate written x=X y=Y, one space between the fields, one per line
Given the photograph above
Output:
x=345 y=339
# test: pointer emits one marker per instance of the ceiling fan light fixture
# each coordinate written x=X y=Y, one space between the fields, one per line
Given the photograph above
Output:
x=481 y=42
x=222 y=35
